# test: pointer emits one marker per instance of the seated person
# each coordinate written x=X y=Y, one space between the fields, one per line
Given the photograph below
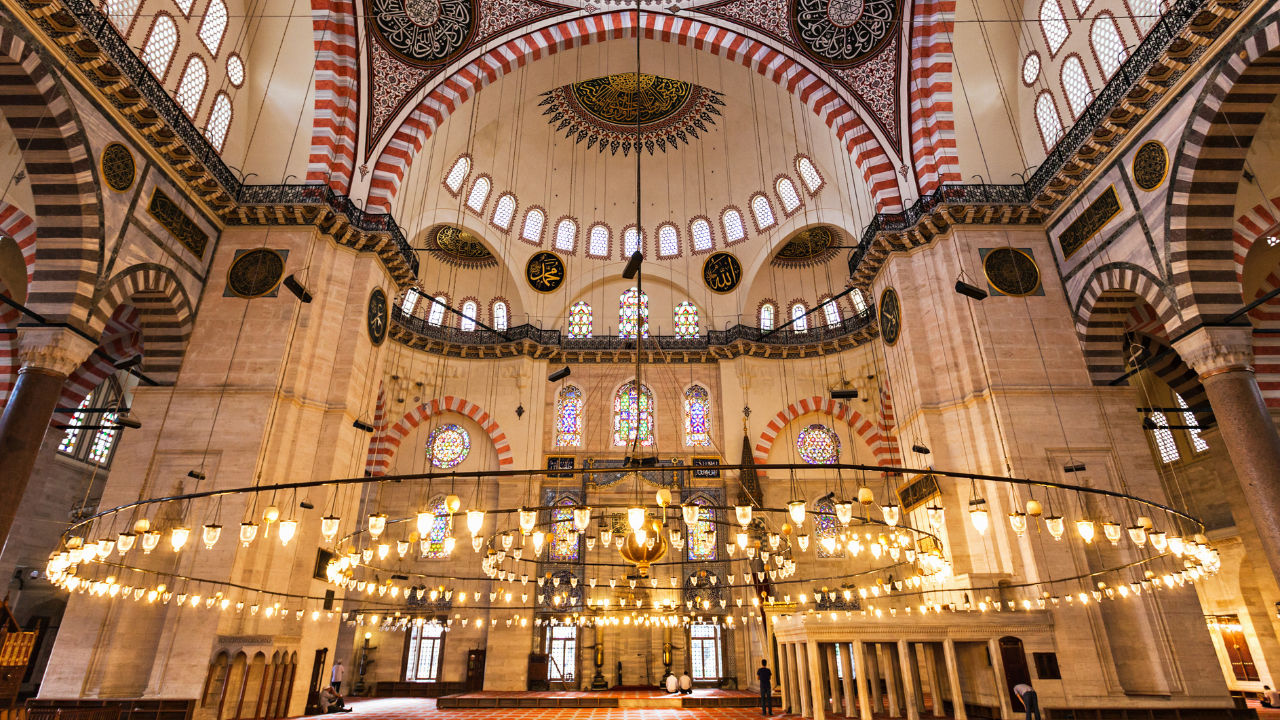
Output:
x=673 y=684
x=1270 y=698
x=686 y=685
x=331 y=701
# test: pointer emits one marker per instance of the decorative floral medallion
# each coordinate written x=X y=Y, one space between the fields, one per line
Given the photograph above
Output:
x=118 y=167
x=1150 y=165
x=844 y=32
x=459 y=248
x=603 y=111
x=1011 y=271
x=424 y=32
x=890 y=316
x=811 y=246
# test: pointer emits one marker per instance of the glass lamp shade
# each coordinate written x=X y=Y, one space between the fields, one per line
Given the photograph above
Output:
x=507 y=541
x=1055 y=525
x=402 y=547
x=743 y=512
x=677 y=538
x=741 y=539
x=528 y=518
x=775 y=540
x=475 y=521
x=635 y=517
x=538 y=537
x=606 y=537
x=271 y=514
x=1018 y=521
x=477 y=542
x=210 y=535
x=641 y=536
x=891 y=513
x=383 y=550
x=1111 y=531
x=828 y=544
x=150 y=540
x=178 y=537
x=289 y=528
x=367 y=555
x=844 y=512
x=449 y=545
x=937 y=516
x=690 y=513
x=1158 y=540
x=1138 y=535
x=581 y=518
x=248 y=531
x=978 y=515
x=124 y=542
x=804 y=542
x=425 y=521
x=1086 y=530
x=796 y=508
x=876 y=550
x=105 y=547
x=329 y=527
x=377 y=523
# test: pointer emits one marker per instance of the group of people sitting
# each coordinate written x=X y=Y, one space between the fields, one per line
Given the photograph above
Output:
x=684 y=685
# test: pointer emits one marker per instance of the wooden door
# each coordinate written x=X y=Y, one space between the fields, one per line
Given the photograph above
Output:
x=1015 y=668
x=475 y=670
x=317 y=682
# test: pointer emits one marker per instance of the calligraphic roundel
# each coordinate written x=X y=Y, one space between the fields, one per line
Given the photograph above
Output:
x=424 y=32
x=722 y=272
x=844 y=32
x=545 y=272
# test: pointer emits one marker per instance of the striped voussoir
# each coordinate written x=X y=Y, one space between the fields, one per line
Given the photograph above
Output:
x=1208 y=170
x=1171 y=369
x=9 y=318
x=22 y=229
x=933 y=125
x=1259 y=221
x=1103 y=311
x=876 y=432
x=165 y=312
x=379 y=419
x=121 y=340
x=333 y=132
x=389 y=440
x=874 y=162
x=60 y=172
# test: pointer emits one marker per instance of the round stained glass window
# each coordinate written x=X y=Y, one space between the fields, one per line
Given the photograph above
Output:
x=448 y=445
x=818 y=445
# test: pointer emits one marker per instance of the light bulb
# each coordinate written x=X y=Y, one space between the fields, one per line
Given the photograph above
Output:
x=377 y=523
x=288 y=528
x=1085 y=528
x=248 y=531
x=210 y=535
x=635 y=517
x=690 y=513
x=538 y=537
x=828 y=545
x=1018 y=521
x=271 y=514
x=844 y=512
x=1034 y=508
x=796 y=508
x=581 y=518
x=1111 y=531
x=641 y=536
x=804 y=542
x=1055 y=525
x=528 y=518
x=425 y=521
x=329 y=527
x=744 y=514
x=179 y=537
x=891 y=514
x=475 y=521
x=449 y=545
x=866 y=496
x=383 y=550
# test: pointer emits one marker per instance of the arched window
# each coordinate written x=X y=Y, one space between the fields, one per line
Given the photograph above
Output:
x=161 y=43
x=763 y=212
x=630 y=242
x=1107 y=45
x=219 y=121
x=733 y=228
x=426 y=648
x=504 y=211
x=410 y=301
x=457 y=174
x=809 y=175
x=441 y=528
x=831 y=311
x=787 y=195
x=469 y=315
x=632 y=415
x=184 y=6
x=498 y=312
x=95 y=447
x=566 y=235
x=1146 y=13
x=235 y=69
x=564 y=538
x=859 y=302
x=1054 y=25
x=436 y=316
x=668 y=241
x=1193 y=426
x=818 y=445
x=632 y=305
x=1048 y=119
x=702 y=534
x=1076 y=85
x=700 y=231
x=827 y=529
x=686 y=320
x=697 y=417
x=800 y=322
x=1031 y=69
x=214 y=26
x=598 y=246
x=479 y=194
x=533 y=221
x=766 y=316
x=448 y=445
x=580 y=320
x=1164 y=439
x=121 y=13
x=195 y=78
x=569 y=417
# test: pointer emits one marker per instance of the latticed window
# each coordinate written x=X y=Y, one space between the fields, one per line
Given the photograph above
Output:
x=1105 y=38
x=468 y=316
x=161 y=43
x=1189 y=419
x=1031 y=68
x=426 y=646
x=1048 y=120
x=799 y=317
x=532 y=230
x=788 y=195
x=733 y=228
x=410 y=302
x=457 y=174
x=195 y=77
x=562 y=652
x=214 y=26
x=1164 y=439
x=441 y=528
x=668 y=241
x=697 y=417
x=809 y=175
x=580 y=320
x=569 y=417
x=633 y=314
x=686 y=316
x=1076 y=83
x=566 y=235
x=831 y=311
x=1147 y=13
x=121 y=13
x=564 y=538
x=827 y=529
x=700 y=230
x=436 y=316
x=705 y=652
x=633 y=415
x=219 y=121
x=766 y=316
x=1054 y=25
x=499 y=315
x=95 y=443
x=598 y=245
x=702 y=534
x=630 y=242
x=763 y=212
x=505 y=211
x=859 y=302
x=235 y=69
x=479 y=194
x=185 y=6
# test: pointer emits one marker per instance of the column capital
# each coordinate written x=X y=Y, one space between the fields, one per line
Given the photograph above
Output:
x=1210 y=350
x=56 y=351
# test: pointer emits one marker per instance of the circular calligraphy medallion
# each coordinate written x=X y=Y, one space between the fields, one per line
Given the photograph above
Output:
x=890 y=316
x=424 y=32
x=376 y=316
x=844 y=32
x=423 y=13
x=722 y=272
x=118 y=167
x=1150 y=165
x=545 y=272
x=1011 y=271
x=255 y=273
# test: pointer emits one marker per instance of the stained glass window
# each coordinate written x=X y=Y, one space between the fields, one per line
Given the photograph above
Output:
x=702 y=534
x=733 y=228
x=105 y=437
x=697 y=417
x=93 y=446
x=686 y=320
x=441 y=528
x=633 y=416
x=499 y=315
x=827 y=526
x=504 y=211
x=448 y=445
x=766 y=316
x=469 y=316
x=800 y=318
x=72 y=436
x=569 y=417
x=818 y=445
x=458 y=173
x=700 y=230
x=580 y=320
x=564 y=542
x=631 y=302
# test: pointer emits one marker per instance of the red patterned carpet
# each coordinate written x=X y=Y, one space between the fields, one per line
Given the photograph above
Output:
x=414 y=708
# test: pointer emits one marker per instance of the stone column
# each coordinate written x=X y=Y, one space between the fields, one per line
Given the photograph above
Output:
x=833 y=678
x=47 y=357
x=873 y=676
x=1002 y=682
x=860 y=668
x=934 y=672
x=846 y=662
x=1223 y=358
x=911 y=694
x=815 y=680
x=892 y=680
x=808 y=707
x=797 y=680
x=913 y=655
x=784 y=682
x=953 y=674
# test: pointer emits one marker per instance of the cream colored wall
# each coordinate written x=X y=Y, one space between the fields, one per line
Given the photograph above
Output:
x=990 y=117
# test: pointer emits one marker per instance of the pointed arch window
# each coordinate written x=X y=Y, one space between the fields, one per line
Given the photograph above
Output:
x=505 y=211
x=436 y=316
x=93 y=446
x=827 y=529
x=809 y=175
x=569 y=417
x=1076 y=85
x=763 y=212
x=1054 y=25
x=697 y=417
x=831 y=312
x=566 y=235
x=733 y=227
x=668 y=241
x=633 y=415
x=214 y=26
x=702 y=534
x=533 y=222
x=161 y=43
x=219 y=121
x=598 y=245
x=1048 y=120
x=800 y=320
x=1104 y=36
x=1164 y=439
x=630 y=242
x=441 y=528
x=686 y=316
x=787 y=195
x=1193 y=425
x=479 y=194
x=121 y=13
x=700 y=231
x=767 y=312
x=580 y=320
x=457 y=174
x=564 y=538
x=469 y=309
x=633 y=314
x=499 y=315
x=195 y=78
x=859 y=302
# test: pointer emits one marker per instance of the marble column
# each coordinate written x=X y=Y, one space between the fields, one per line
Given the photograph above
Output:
x=1223 y=359
x=783 y=672
x=910 y=678
x=892 y=678
x=860 y=668
x=807 y=707
x=815 y=680
x=873 y=676
x=47 y=357
x=846 y=662
x=934 y=671
x=914 y=656
x=1002 y=682
x=953 y=674
x=833 y=678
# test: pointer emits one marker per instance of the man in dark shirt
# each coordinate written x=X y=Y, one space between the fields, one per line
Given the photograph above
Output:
x=766 y=687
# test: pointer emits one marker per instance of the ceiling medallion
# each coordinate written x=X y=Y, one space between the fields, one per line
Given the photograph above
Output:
x=812 y=246
x=424 y=32
x=603 y=111
x=844 y=32
x=458 y=247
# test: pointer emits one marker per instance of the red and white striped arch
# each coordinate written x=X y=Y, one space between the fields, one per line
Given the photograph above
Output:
x=121 y=340
x=337 y=110
x=388 y=440
x=877 y=432
x=933 y=125
x=1250 y=226
x=15 y=224
x=875 y=163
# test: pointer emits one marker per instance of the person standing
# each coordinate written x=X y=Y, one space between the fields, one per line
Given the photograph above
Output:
x=766 y=688
x=1027 y=695
x=337 y=675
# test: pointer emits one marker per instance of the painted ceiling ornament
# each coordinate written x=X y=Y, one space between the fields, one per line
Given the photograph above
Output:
x=424 y=32
x=811 y=246
x=459 y=248
x=602 y=111
x=844 y=32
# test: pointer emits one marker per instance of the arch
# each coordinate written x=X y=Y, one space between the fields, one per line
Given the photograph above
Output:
x=9 y=360
x=1104 y=305
x=15 y=224
x=388 y=440
x=122 y=340
x=1166 y=364
x=933 y=123
x=1250 y=226
x=872 y=432
x=337 y=94
x=166 y=316
x=379 y=427
x=397 y=154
